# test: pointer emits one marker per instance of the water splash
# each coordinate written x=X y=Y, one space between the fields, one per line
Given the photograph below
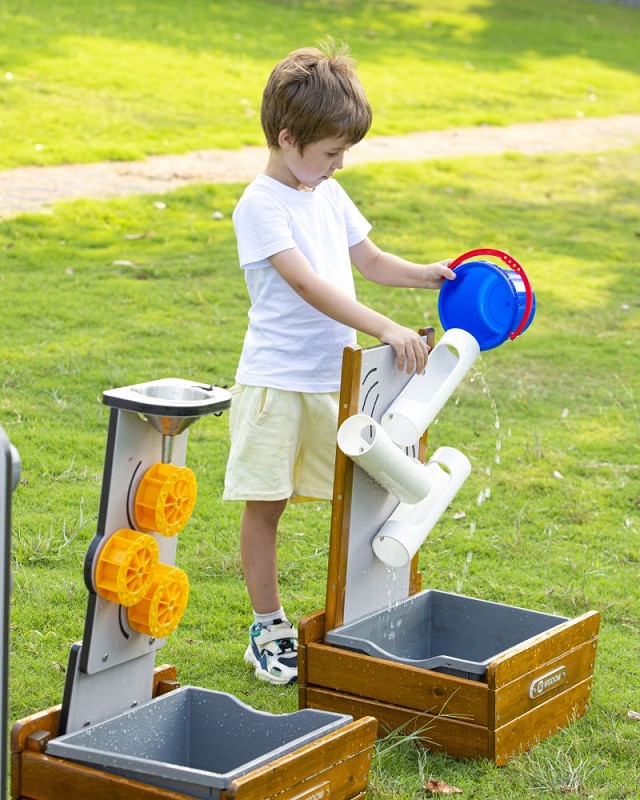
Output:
x=465 y=571
x=392 y=588
x=480 y=374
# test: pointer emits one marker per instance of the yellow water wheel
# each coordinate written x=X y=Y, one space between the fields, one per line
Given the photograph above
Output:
x=162 y=608
x=165 y=499
x=125 y=566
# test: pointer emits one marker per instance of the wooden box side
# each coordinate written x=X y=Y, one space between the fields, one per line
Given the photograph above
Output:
x=542 y=683
x=541 y=649
x=438 y=733
x=45 y=778
x=336 y=766
x=524 y=732
x=399 y=684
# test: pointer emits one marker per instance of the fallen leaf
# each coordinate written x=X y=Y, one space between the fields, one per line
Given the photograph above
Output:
x=193 y=641
x=633 y=715
x=558 y=475
x=459 y=515
x=132 y=237
x=123 y=263
x=434 y=786
x=159 y=204
x=565 y=413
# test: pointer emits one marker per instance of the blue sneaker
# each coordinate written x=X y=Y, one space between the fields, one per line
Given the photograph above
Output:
x=273 y=652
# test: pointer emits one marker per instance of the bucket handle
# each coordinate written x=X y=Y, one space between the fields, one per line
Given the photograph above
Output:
x=514 y=265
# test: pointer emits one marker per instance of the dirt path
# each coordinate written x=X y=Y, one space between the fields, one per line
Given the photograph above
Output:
x=37 y=188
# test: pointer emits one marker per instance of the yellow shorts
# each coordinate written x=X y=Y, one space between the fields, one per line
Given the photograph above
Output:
x=283 y=444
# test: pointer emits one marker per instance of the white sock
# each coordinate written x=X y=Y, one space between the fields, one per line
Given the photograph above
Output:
x=269 y=619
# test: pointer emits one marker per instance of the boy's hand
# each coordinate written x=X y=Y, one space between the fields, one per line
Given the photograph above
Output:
x=411 y=350
x=436 y=273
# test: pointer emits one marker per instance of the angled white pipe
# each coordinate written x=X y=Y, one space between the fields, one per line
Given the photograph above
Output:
x=403 y=533
x=365 y=442
x=410 y=414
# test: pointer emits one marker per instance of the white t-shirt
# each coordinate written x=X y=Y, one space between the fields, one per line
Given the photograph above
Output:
x=289 y=344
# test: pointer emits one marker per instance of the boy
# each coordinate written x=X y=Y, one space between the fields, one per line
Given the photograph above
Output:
x=298 y=234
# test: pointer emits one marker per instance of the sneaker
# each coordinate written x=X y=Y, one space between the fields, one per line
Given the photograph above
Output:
x=273 y=652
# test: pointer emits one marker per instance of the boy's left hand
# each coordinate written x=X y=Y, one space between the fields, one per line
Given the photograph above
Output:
x=438 y=272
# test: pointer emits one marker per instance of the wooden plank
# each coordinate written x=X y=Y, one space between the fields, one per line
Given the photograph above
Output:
x=342 y=484
x=164 y=672
x=456 y=737
x=430 y=333
x=47 y=720
x=46 y=778
x=415 y=577
x=311 y=628
x=336 y=765
x=536 y=725
x=541 y=684
x=528 y=655
x=396 y=683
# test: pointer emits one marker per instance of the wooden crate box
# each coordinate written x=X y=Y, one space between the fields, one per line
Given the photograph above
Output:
x=334 y=766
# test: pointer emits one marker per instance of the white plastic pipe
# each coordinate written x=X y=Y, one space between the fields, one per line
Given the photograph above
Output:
x=403 y=533
x=363 y=440
x=410 y=414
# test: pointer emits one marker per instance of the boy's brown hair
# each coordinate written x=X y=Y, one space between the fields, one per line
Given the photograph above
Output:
x=315 y=94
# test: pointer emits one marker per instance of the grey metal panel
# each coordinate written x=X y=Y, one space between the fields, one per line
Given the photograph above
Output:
x=370 y=585
x=137 y=447
x=93 y=698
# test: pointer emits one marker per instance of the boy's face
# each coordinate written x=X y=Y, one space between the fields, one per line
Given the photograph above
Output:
x=315 y=164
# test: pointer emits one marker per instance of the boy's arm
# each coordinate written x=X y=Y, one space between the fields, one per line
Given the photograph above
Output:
x=391 y=270
x=410 y=349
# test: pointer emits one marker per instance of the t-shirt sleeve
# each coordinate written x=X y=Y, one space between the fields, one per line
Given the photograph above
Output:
x=357 y=225
x=262 y=230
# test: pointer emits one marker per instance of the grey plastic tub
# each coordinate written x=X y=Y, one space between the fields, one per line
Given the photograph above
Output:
x=443 y=632
x=194 y=741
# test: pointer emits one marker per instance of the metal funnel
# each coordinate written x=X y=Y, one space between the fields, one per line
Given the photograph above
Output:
x=170 y=405
x=168 y=424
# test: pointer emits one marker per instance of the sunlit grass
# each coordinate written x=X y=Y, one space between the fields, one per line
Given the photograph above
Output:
x=558 y=531
x=84 y=82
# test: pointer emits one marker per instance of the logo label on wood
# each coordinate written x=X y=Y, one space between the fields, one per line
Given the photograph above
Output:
x=547 y=682
x=318 y=792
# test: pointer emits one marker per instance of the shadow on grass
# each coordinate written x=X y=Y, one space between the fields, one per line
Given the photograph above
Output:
x=494 y=34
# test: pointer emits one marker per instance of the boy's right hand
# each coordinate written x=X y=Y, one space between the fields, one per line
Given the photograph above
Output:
x=410 y=348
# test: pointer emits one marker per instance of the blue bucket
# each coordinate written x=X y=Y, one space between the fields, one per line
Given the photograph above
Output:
x=491 y=303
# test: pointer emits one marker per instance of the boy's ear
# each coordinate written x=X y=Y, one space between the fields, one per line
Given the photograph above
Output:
x=286 y=140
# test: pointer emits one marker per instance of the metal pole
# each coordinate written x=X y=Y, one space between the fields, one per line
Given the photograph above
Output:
x=9 y=476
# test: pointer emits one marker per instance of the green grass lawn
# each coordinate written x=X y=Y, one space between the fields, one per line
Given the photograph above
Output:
x=103 y=294
x=82 y=81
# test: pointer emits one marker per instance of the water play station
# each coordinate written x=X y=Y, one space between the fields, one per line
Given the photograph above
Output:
x=125 y=728
x=480 y=679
